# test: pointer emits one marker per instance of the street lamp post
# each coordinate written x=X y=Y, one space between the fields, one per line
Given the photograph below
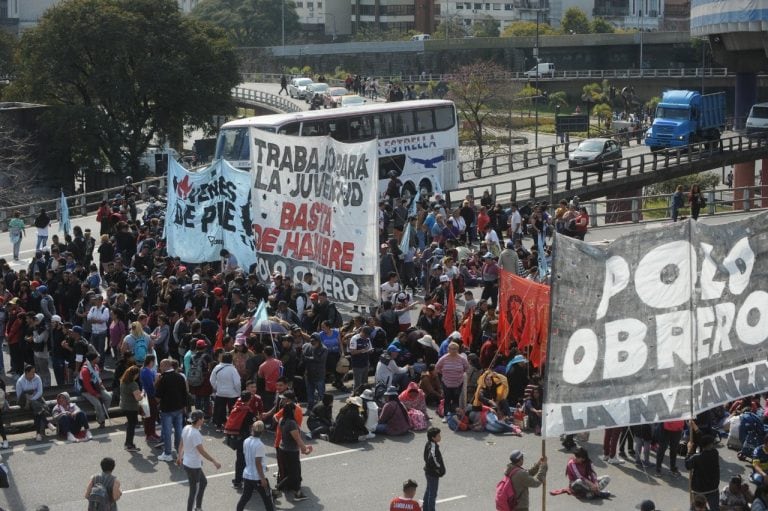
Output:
x=536 y=74
x=641 y=41
x=282 y=19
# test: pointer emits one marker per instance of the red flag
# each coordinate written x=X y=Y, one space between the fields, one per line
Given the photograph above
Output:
x=466 y=328
x=219 y=339
x=450 y=311
x=523 y=315
x=223 y=313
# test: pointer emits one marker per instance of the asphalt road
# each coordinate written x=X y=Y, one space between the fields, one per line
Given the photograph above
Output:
x=358 y=477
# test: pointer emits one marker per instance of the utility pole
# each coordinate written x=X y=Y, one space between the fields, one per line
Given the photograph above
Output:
x=536 y=97
x=283 y=24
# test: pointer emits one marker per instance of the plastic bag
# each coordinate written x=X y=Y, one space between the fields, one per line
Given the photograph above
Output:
x=144 y=406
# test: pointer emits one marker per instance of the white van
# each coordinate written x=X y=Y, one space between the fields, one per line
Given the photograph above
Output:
x=540 y=70
x=757 y=122
x=421 y=37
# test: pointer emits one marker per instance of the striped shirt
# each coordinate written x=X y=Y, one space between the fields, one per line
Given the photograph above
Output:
x=452 y=369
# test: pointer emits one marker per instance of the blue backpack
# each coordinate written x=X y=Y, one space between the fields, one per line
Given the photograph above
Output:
x=140 y=350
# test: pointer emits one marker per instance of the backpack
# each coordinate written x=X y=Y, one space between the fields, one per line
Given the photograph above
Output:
x=417 y=420
x=234 y=424
x=140 y=350
x=506 y=496
x=100 y=496
x=196 y=372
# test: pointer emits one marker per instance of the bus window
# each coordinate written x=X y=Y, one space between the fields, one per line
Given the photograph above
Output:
x=338 y=129
x=292 y=128
x=404 y=123
x=424 y=121
x=389 y=164
x=361 y=128
x=383 y=125
x=444 y=117
x=313 y=128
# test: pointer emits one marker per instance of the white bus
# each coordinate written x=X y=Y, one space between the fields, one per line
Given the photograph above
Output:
x=418 y=140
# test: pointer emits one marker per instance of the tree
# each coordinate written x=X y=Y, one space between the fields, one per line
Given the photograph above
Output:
x=451 y=28
x=527 y=28
x=472 y=92
x=251 y=22
x=652 y=103
x=559 y=98
x=18 y=170
x=118 y=73
x=602 y=112
x=601 y=26
x=7 y=45
x=486 y=26
x=575 y=22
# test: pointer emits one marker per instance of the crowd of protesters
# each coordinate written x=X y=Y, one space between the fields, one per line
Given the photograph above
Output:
x=181 y=341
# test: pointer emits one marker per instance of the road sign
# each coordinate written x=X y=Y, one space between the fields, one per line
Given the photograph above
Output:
x=570 y=123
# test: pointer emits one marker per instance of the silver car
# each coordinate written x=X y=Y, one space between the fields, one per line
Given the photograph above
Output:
x=595 y=154
x=315 y=89
x=298 y=87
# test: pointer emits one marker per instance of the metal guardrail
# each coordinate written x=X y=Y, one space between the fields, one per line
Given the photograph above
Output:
x=633 y=170
x=587 y=74
x=79 y=205
x=265 y=98
x=646 y=208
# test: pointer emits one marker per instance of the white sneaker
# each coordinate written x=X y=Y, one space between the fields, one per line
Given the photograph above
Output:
x=4 y=445
x=603 y=457
x=88 y=435
x=71 y=438
x=165 y=457
x=51 y=427
x=615 y=461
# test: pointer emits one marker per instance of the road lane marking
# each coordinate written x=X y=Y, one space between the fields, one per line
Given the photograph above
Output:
x=443 y=501
x=225 y=474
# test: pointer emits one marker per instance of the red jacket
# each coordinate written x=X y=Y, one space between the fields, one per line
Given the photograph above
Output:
x=14 y=327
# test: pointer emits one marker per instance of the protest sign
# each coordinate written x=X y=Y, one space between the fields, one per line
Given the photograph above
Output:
x=207 y=211
x=661 y=324
x=315 y=209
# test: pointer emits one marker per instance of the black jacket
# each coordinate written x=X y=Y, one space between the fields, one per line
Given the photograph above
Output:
x=705 y=467
x=349 y=425
x=433 y=460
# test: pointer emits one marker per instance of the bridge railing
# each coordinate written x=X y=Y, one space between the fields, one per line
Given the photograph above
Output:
x=265 y=98
x=592 y=178
x=79 y=205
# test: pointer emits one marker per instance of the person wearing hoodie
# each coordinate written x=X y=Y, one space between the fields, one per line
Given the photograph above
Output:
x=93 y=388
x=225 y=381
x=492 y=391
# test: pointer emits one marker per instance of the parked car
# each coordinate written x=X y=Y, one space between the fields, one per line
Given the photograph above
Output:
x=352 y=100
x=332 y=97
x=595 y=153
x=298 y=87
x=313 y=89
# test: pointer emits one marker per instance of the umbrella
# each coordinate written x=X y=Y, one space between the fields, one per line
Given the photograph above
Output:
x=267 y=326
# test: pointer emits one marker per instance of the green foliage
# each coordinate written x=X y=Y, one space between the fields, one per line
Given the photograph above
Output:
x=251 y=22
x=527 y=28
x=602 y=112
x=705 y=180
x=486 y=26
x=595 y=92
x=575 y=22
x=7 y=47
x=652 y=103
x=601 y=26
x=452 y=28
x=119 y=73
x=558 y=98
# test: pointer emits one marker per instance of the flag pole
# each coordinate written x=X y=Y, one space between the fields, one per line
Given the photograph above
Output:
x=544 y=366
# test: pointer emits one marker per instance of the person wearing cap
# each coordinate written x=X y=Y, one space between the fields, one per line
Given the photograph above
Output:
x=523 y=479
x=388 y=373
x=191 y=454
x=93 y=389
x=704 y=468
x=736 y=496
x=40 y=335
x=393 y=418
x=349 y=425
x=407 y=501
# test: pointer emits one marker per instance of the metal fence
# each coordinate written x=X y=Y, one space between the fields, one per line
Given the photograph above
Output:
x=79 y=205
x=265 y=98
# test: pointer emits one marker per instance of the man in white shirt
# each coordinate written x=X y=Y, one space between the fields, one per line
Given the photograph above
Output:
x=492 y=240
x=98 y=317
x=254 y=475
x=515 y=223
x=390 y=288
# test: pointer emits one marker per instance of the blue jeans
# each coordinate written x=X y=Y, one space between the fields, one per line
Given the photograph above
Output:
x=16 y=249
x=314 y=387
x=59 y=370
x=170 y=420
x=42 y=241
x=430 y=494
